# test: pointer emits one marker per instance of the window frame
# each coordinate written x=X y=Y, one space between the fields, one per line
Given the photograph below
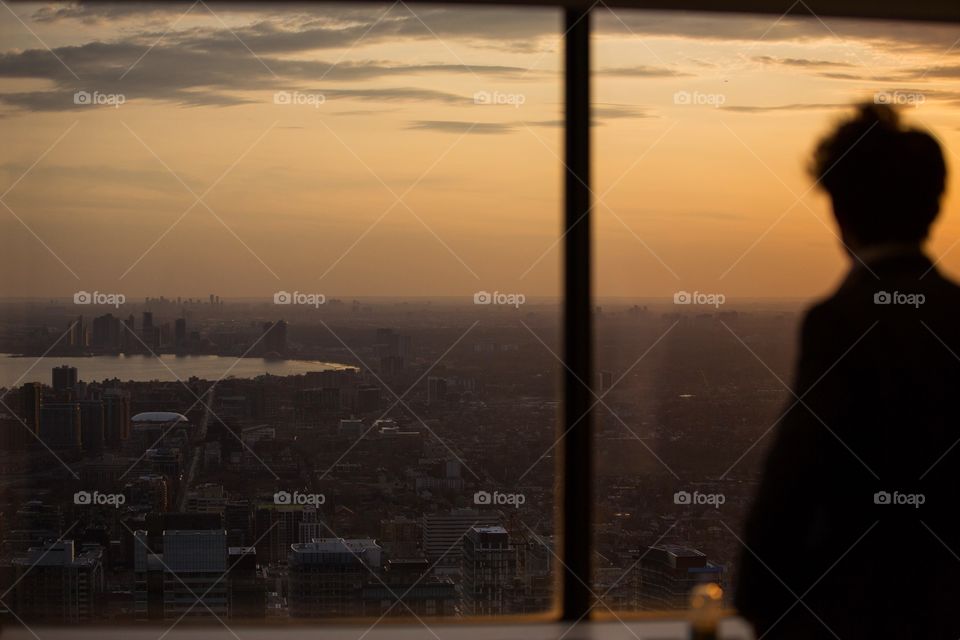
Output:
x=575 y=454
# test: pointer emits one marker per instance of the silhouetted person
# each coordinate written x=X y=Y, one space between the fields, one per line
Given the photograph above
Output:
x=858 y=507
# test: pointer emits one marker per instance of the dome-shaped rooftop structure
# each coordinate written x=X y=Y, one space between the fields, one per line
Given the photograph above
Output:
x=158 y=417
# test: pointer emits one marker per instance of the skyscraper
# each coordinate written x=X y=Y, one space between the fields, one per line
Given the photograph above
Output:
x=180 y=333
x=64 y=379
x=489 y=566
x=116 y=417
x=56 y=585
x=185 y=579
x=327 y=575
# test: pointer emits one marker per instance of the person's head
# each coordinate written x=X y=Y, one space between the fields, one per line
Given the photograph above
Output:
x=885 y=180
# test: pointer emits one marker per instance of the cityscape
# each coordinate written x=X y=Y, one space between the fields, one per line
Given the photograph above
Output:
x=281 y=299
x=410 y=474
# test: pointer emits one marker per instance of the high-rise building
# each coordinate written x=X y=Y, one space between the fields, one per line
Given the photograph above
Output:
x=180 y=333
x=106 y=332
x=54 y=584
x=128 y=339
x=368 y=399
x=488 y=569
x=275 y=337
x=92 y=425
x=77 y=333
x=247 y=588
x=418 y=592
x=116 y=417
x=401 y=537
x=60 y=426
x=149 y=333
x=185 y=579
x=327 y=575
x=443 y=534
x=669 y=572
x=64 y=379
x=436 y=390
x=277 y=526
x=31 y=397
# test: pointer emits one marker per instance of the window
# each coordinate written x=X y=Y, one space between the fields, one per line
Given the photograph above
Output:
x=710 y=242
x=280 y=308
x=299 y=268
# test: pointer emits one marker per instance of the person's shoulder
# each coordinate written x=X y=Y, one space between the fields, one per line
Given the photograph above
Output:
x=821 y=314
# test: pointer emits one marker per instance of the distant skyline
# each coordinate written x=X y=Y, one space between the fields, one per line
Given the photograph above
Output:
x=262 y=149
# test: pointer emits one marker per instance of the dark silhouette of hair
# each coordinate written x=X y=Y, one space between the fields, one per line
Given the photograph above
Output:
x=885 y=180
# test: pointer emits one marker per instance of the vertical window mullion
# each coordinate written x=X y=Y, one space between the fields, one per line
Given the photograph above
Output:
x=576 y=450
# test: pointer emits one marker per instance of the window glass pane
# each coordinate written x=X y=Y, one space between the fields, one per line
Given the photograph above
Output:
x=279 y=307
x=711 y=241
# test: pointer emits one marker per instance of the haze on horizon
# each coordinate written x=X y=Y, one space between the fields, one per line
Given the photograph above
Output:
x=390 y=176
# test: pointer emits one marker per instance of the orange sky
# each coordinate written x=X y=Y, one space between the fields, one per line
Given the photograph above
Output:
x=702 y=194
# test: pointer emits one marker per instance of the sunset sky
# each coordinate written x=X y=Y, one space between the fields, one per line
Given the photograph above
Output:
x=201 y=182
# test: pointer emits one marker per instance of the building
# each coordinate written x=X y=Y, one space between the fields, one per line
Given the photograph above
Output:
x=436 y=390
x=60 y=425
x=669 y=572
x=92 y=425
x=275 y=338
x=407 y=588
x=488 y=569
x=180 y=333
x=106 y=332
x=327 y=576
x=116 y=417
x=278 y=526
x=31 y=398
x=443 y=534
x=247 y=587
x=56 y=585
x=186 y=579
x=64 y=380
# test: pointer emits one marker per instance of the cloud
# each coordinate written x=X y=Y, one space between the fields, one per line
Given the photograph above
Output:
x=641 y=71
x=396 y=94
x=799 y=62
x=187 y=76
x=799 y=106
x=461 y=127
x=600 y=114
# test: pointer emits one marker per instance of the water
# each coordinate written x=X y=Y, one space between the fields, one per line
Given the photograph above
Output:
x=142 y=368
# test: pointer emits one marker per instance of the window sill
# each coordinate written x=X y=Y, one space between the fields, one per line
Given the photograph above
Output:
x=730 y=629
